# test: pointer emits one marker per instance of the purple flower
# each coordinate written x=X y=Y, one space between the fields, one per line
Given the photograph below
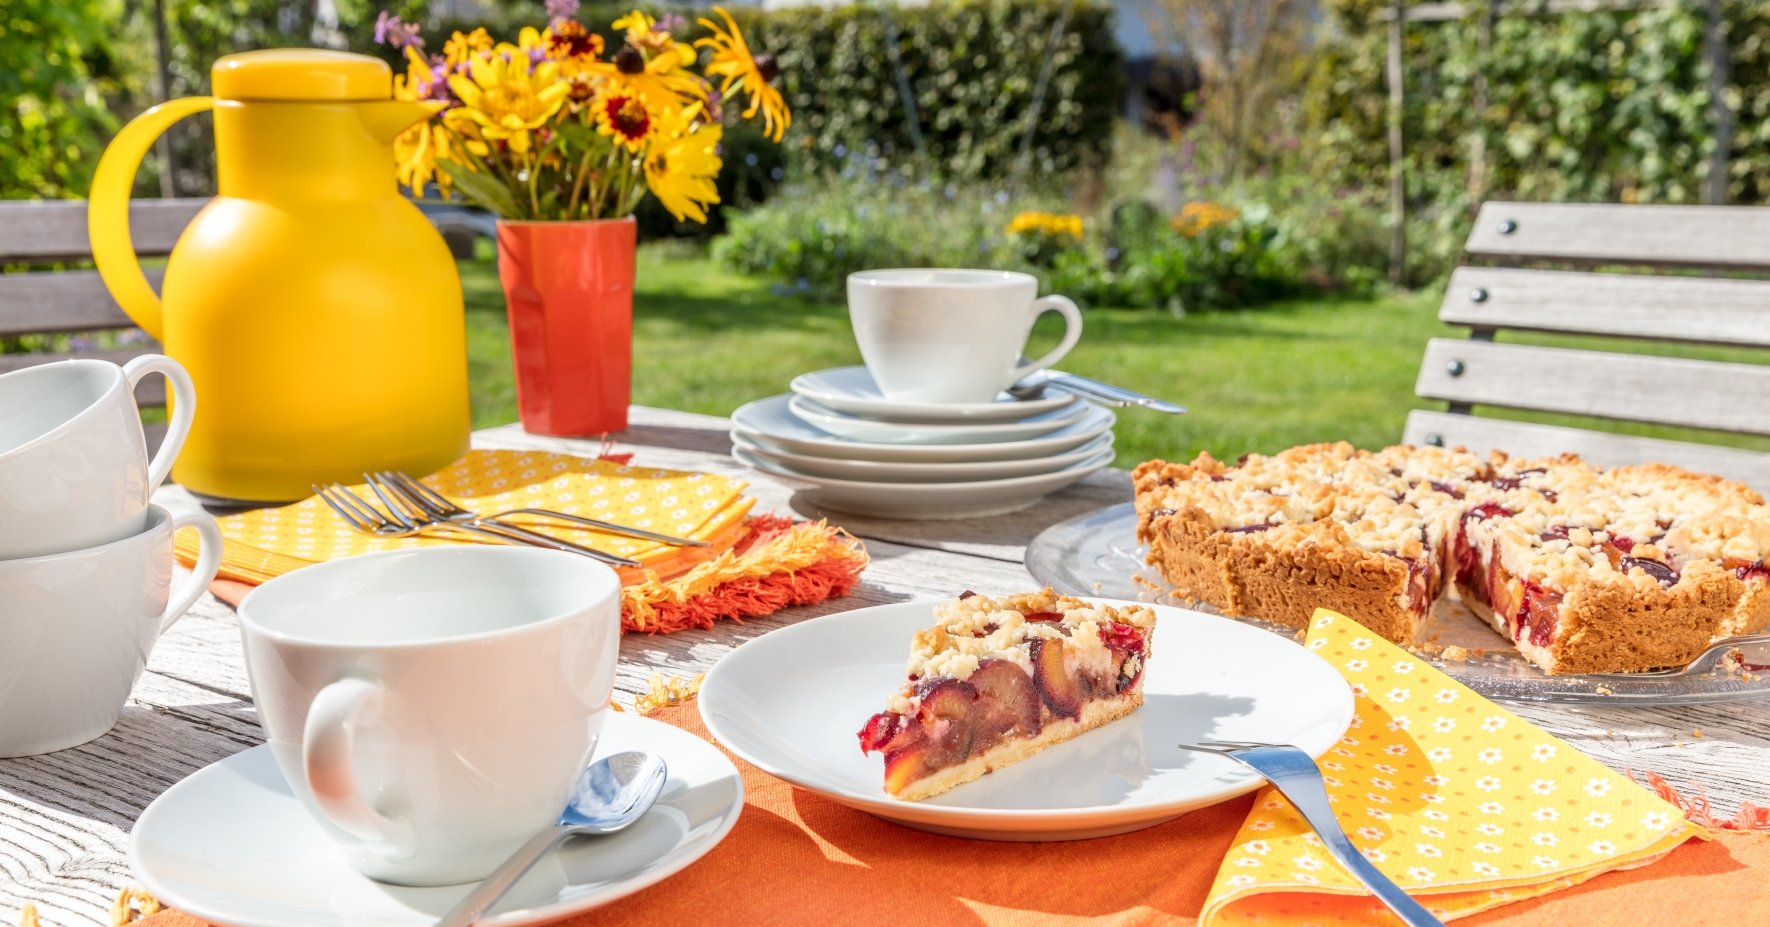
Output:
x=391 y=30
x=669 y=22
x=81 y=344
x=562 y=9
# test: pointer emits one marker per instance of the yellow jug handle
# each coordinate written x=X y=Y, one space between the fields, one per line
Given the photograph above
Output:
x=107 y=211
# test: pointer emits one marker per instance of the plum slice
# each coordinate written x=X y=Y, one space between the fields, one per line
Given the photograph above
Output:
x=1061 y=692
x=1007 y=700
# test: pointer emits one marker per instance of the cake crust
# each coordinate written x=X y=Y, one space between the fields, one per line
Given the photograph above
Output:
x=1585 y=570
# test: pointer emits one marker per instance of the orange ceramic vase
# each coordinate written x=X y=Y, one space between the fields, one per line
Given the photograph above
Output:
x=569 y=289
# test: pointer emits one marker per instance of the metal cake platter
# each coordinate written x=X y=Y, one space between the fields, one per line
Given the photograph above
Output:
x=1098 y=555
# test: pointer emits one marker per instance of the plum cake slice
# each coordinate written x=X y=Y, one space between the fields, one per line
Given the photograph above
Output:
x=996 y=680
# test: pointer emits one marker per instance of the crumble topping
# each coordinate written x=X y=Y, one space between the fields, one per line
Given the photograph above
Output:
x=975 y=628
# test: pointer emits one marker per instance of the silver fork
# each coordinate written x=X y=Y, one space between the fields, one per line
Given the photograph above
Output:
x=1298 y=779
x=366 y=518
x=407 y=505
x=445 y=508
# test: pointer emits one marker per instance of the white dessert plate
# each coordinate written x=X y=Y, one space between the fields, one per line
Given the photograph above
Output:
x=231 y=845
x=1098 y=553
x=844 y=425
x=893 y=472
x=927 y=501
x=772 y=424
x=852 y=390
x=791 y=701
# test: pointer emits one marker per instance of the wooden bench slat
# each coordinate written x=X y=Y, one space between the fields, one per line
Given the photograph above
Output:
x=70 y=301
x=1687 y=309
x=1528 y=439
x=1691 y=236
x=43 y=230
x=151 y=392
x=1663 y=390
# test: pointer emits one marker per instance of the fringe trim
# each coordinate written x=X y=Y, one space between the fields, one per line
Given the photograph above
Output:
x=781 y=564
x=665 y=692
x=132 y=905
x=1698 y=810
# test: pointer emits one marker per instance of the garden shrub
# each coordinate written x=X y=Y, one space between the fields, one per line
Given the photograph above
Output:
x=1271 y=240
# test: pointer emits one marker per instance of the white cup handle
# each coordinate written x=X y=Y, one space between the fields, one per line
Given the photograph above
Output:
x=1072 y=332
x=184 y=405
x=328 y=751
x=202 y=573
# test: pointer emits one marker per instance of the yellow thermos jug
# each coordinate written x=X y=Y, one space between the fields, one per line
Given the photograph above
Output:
x=317 y=310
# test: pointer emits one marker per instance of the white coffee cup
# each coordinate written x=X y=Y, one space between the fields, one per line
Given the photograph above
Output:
x=949 y=336
x=74 y=468
x=433 y=707
x=76 y=629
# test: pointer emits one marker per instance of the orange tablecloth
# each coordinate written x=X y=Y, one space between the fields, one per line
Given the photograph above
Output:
x=795 y=858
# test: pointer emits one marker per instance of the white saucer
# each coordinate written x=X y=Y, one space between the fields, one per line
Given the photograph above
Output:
x=790 y=702
x=927 y=501
x=770 y=422
x=231 y=845
x=907 y=472
x=855 y=428
x=852 y=390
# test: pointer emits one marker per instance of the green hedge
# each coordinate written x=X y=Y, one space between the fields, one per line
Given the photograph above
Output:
x=1602 y=106
x=973 y=68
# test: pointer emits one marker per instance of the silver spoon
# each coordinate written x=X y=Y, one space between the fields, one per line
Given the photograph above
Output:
x=612 y=793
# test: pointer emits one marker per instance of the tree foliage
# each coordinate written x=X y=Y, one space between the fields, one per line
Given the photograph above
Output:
x=59 y=75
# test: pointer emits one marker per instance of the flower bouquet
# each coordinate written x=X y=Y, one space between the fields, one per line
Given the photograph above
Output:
x=561 y=137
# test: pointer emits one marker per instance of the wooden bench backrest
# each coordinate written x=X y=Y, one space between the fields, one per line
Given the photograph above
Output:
x=75 y=301
x=1731 y=397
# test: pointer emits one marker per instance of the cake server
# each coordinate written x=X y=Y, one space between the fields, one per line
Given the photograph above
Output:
x=1095 y=391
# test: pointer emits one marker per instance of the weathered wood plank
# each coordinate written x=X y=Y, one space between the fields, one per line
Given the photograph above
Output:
x=1684 y=309
x=1528 y=439
x=68 y=301
x=150 y=393
x=44 y=230
x=1592 y=233
x=1632 y=387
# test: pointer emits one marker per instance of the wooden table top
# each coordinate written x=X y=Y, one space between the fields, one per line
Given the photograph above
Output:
x=65 y=817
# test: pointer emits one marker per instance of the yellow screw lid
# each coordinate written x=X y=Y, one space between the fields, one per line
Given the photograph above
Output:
x=300 y=74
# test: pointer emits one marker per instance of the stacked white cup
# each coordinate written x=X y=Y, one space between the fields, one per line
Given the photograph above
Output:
x=86 y=562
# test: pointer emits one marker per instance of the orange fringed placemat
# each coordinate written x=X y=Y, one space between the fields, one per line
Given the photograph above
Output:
x=754 y=564
x=796 y=858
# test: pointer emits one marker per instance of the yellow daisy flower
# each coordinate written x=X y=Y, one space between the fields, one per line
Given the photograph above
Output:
x=642 y=33
x=508 y=101
x=461 y=47
x=753 y=74
x=681 y=162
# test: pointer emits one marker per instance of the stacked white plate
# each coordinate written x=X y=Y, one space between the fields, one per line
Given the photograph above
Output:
x=852 y=450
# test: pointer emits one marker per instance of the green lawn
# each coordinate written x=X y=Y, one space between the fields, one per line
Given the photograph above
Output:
x=706 y=340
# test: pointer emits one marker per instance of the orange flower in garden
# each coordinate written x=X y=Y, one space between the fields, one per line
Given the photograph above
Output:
x=1200 y=216
x=753 y=74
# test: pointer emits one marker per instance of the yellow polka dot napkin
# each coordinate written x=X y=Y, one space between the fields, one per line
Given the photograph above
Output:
x=1461 y=802
x=265 y=543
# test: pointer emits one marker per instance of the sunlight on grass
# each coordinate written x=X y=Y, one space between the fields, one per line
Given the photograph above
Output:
x=706 y=340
